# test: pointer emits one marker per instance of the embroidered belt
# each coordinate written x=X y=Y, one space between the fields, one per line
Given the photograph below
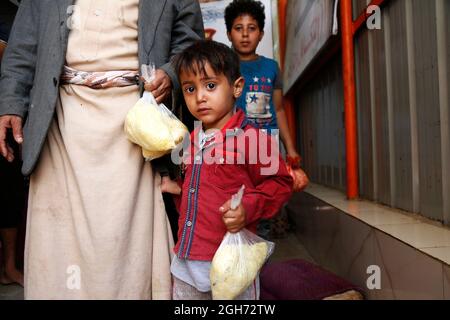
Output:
x=99 y=80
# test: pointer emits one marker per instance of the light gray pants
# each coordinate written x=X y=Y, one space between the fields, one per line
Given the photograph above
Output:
x=184 y=291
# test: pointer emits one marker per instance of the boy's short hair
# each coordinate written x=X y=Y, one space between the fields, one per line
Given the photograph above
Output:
x=221 y=58
x=238 y=8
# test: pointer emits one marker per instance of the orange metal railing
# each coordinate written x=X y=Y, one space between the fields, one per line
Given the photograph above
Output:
x=348 y=30
x=348 y=70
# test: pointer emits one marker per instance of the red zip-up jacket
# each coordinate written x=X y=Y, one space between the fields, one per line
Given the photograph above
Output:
x=207 y=186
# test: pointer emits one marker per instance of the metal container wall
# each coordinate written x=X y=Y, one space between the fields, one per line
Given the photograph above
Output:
x=402 y=75
x=321 y=130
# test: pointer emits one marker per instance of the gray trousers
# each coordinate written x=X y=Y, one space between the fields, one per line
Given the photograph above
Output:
x=184 y=291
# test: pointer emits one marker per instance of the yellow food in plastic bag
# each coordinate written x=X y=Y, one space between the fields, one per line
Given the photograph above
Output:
x=153 y=154
x=153 y=128
x=176 y=128
x=145 y=126
x=235 y=267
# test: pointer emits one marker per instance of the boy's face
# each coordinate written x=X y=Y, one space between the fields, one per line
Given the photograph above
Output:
x=245 y=35
x=210 y=97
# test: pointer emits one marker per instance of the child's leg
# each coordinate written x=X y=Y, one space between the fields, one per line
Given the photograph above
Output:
x=184 y=291
x=163 y=166
x=169 y=186
x=279 y=225
x=264 y=228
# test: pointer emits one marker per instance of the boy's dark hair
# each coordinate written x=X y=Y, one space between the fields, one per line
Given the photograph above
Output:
x=221 y=58
x=238 y=8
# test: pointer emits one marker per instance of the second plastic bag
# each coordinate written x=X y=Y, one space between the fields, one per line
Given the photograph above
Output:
x=153 y=126
x=237 y=263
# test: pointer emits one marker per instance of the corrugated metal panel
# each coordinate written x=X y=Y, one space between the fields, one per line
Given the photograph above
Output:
x=321 y=129
x=411 y=61
x=406 y=135
x=443 y=51
x=402 y=74
x=364 y=117
x=401 y=107
x=358 y=7
x=313 y=140
x=381 y=117
x=428 y=111
x=308 y=136
x=390 y=106
x=335 y=144
x=338 y=149
x=321 y=143
x=340 y=136
x=326 y=129
x=447 y=30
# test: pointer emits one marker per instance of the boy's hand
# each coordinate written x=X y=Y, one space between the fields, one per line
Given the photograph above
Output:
x=160 y=87
x=235 y=220
x=294 y=159
x=293 y=154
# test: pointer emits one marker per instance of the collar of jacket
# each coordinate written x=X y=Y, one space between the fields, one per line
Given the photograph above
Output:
x=237 y=121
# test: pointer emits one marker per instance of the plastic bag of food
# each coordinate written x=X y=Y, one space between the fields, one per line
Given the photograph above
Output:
x=237 y=263
x=153 y=126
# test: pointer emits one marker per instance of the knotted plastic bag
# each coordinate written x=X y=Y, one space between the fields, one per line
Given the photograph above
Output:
x=237 y=263
x=153 y=126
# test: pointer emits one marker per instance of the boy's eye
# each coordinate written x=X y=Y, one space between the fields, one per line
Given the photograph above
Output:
x=211 y=86
x=189 y=89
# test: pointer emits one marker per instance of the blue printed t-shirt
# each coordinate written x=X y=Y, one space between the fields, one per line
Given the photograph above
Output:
x=262 y=76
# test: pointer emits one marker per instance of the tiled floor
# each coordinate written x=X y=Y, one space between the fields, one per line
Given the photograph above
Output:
x=285 y=249
x=289 y=248
x=408 y=247
x=11 y=292
x=350 y=238
x=427 y=236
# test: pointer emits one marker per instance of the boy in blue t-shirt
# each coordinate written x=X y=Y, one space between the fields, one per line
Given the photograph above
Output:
x=262 y=97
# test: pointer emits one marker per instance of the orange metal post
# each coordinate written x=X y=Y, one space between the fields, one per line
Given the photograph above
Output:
x=282 y=7
x=359 y=22
x=349 y=98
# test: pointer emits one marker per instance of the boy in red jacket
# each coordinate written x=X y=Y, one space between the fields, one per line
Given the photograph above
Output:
x=224 y=153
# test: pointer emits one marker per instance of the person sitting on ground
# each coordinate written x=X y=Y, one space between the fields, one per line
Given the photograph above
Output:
x=262 y=97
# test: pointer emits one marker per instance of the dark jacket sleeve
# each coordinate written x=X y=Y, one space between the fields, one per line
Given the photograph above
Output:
x=187 y=28
x=19 y=61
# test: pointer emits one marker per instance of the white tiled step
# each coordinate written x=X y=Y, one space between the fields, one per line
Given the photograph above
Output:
x=427 y=236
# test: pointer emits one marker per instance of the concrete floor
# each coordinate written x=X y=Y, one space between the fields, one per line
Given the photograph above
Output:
x=289 y=248
x=285 y=249
x=11 y=292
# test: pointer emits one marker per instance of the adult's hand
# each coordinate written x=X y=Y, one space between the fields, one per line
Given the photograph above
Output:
x=2 y=49
x=160 y=87
x=14 y=123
